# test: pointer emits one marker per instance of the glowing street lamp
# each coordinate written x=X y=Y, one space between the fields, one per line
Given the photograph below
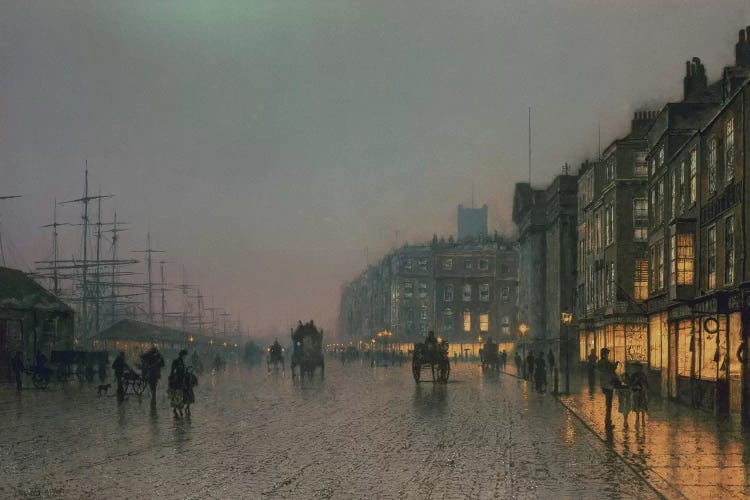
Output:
x=522 y=331
x=566 y=318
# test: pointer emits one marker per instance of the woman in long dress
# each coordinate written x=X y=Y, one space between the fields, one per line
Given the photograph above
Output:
x=176 y=384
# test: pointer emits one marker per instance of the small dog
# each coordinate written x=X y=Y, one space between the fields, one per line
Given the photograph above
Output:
x=103 y=388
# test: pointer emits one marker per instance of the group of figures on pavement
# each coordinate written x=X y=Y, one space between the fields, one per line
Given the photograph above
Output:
x=535 y=368
x=181 y=383
x=631 y=388
x=490 y=356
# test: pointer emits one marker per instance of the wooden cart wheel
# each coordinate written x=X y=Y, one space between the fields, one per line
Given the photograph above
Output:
x=139 y=386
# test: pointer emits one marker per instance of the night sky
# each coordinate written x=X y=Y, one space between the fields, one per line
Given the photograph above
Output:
x=267 y=144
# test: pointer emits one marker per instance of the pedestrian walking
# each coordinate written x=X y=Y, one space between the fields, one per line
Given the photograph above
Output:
x=188 y=394
x=196 y=362
x=639 y=387
x=176 y=387
x=16 y=364
x=592 y=360
x=519 y=362
x=530 y=366
x=503 y=359
x=540 y=374
x=624 y=400
x=151 y=364
x=119 y=366
x=607 y=381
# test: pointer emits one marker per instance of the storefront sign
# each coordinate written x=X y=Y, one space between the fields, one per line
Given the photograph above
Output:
x=708 y=307
x=734 y=302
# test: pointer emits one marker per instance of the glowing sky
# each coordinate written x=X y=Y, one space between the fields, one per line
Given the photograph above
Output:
x=268 y=143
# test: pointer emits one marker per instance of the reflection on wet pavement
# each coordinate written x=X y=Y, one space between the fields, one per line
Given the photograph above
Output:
x=360 y=433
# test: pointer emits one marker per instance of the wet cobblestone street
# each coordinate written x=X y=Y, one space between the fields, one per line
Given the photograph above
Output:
x=360 y=433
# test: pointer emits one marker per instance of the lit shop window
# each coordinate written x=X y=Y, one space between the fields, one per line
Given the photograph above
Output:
x=484 y=322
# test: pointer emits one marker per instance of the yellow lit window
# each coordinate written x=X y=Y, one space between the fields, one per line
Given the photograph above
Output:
x=467 y=321
x=484 y=322
x=684 y=261
x=658 y=340
x=685 y=346
x=640 y=281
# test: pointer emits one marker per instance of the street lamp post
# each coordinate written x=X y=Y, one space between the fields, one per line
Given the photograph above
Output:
x=566 y=319
x=522 y=330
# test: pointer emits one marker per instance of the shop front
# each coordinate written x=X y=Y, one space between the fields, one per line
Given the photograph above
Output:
x=705 y=371
x=626 y=337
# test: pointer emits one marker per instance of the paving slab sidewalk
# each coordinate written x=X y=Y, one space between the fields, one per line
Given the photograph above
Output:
x=680 y=451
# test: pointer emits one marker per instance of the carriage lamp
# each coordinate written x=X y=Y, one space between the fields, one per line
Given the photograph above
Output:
x=190 y=339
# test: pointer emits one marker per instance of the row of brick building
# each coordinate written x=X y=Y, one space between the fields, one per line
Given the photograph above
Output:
x=464 y=290
x=659 y=267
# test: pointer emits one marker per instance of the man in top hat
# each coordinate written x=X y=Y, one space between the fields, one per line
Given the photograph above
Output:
x=607 y=380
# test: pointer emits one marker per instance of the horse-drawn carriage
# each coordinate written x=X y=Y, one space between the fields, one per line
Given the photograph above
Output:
x=83 y=365
x=490 y=356
x=308 y=349
x=275 y=357
x=432 y=353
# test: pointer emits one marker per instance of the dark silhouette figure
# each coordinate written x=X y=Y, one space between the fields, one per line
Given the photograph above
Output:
x=430 y=341
x=519 y=363
x=151 y=364
x=176 y=388
x=16 y=364
x=591 y=365
x=196 y=362
x=540 y=374
x=119 y=366
x=639 y=385
x=608 y=380
x=219 y=363
x=530 y=366
x=188 y=395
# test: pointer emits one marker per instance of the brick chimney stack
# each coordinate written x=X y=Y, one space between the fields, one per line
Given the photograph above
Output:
x=695 y=81
x=642 y=121
x=742 y=49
